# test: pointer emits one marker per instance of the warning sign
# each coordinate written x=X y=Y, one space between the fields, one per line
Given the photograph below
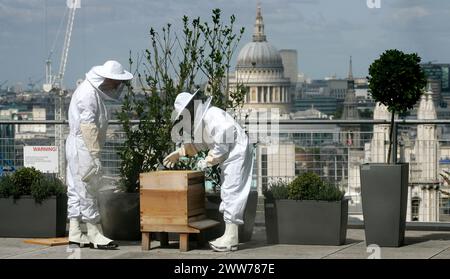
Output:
x=43 y=158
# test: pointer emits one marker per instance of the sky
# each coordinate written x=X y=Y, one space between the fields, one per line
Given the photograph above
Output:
x=324 y=32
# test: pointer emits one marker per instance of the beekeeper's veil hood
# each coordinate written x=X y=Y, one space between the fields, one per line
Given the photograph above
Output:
x=112 y=70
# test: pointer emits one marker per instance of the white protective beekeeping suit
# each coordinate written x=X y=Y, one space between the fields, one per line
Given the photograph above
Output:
x=228 y=146
x=88 y=121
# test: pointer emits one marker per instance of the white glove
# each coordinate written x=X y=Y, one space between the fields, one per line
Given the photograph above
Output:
x=202 y=165
x=172 y=159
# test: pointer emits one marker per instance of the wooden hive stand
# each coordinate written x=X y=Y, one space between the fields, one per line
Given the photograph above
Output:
x=173 y=201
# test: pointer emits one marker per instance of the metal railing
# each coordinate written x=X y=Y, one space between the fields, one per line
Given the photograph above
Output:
x=334 y=149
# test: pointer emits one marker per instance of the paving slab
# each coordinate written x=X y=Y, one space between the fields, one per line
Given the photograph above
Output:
x=418 y=245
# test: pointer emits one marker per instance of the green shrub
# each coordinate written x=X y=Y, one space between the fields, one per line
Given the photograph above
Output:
x=7 y=188
x=305 y=187
x=46 y=187
x=29 y=181
x=330 y=193
x=22 y=180
x=277 y=190
x=309 y=186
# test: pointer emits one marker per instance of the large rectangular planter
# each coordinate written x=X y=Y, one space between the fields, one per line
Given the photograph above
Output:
x=26 y=218
x=306 y=222
x=384 y=193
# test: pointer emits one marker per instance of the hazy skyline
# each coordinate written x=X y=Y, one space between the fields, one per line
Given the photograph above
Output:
x=325 y=33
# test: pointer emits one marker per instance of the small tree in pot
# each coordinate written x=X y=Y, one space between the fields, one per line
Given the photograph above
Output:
x=396 y=80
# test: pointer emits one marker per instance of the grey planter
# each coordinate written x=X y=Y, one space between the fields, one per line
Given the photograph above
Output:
x=26 y=218
x=384 y=193
x=306 y=222
x=245 y=231
x=120 y=215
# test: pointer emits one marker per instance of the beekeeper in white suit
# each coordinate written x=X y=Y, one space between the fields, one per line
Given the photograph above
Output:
x=215 y=130
x=88 y=121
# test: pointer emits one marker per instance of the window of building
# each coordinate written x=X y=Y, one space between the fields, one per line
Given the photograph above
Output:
x=415 y=203
x=253 y=95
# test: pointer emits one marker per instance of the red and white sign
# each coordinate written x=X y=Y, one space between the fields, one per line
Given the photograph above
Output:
x=43 y=158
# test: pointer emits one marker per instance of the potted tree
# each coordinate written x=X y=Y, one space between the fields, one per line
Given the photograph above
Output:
x=396 y=80
x=305 y=211
x=32 y=205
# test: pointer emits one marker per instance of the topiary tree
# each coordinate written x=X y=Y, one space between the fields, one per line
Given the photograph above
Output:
x=397 y=81
x=305 y=187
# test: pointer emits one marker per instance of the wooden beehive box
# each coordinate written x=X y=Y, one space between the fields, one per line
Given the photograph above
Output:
x=170 y=200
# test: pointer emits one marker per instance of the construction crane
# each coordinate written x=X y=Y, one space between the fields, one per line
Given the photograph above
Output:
x=55 y=84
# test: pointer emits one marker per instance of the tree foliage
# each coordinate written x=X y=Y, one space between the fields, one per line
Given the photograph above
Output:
x=174 y=63
x=397 y=81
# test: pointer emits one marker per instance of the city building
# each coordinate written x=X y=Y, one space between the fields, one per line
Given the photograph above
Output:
x=350 y=133
x=438 y=75
x=423 y=194
x=260 y=67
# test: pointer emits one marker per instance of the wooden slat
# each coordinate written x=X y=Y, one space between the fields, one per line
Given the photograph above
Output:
x=204 y=224
x=169 y=228
x=184 y=242
x=163 y=220
x=163 y=203
x=196 y=180
x=196 y=199
x=146 y=241
x=48 y=241
x=160 y=181
x=192 y=174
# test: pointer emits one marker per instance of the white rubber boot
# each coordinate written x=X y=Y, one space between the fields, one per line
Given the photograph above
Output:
x=76 y=237
x=229 y=241
x=97 y=239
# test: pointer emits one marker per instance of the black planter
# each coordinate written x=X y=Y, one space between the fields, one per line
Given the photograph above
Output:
x=384 y=193
x=26 y=218
x=120 y=215
x=306 y=222
x=245 y=231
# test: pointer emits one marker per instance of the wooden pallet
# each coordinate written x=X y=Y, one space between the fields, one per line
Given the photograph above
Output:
x=195 y=227
x=48 y=241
